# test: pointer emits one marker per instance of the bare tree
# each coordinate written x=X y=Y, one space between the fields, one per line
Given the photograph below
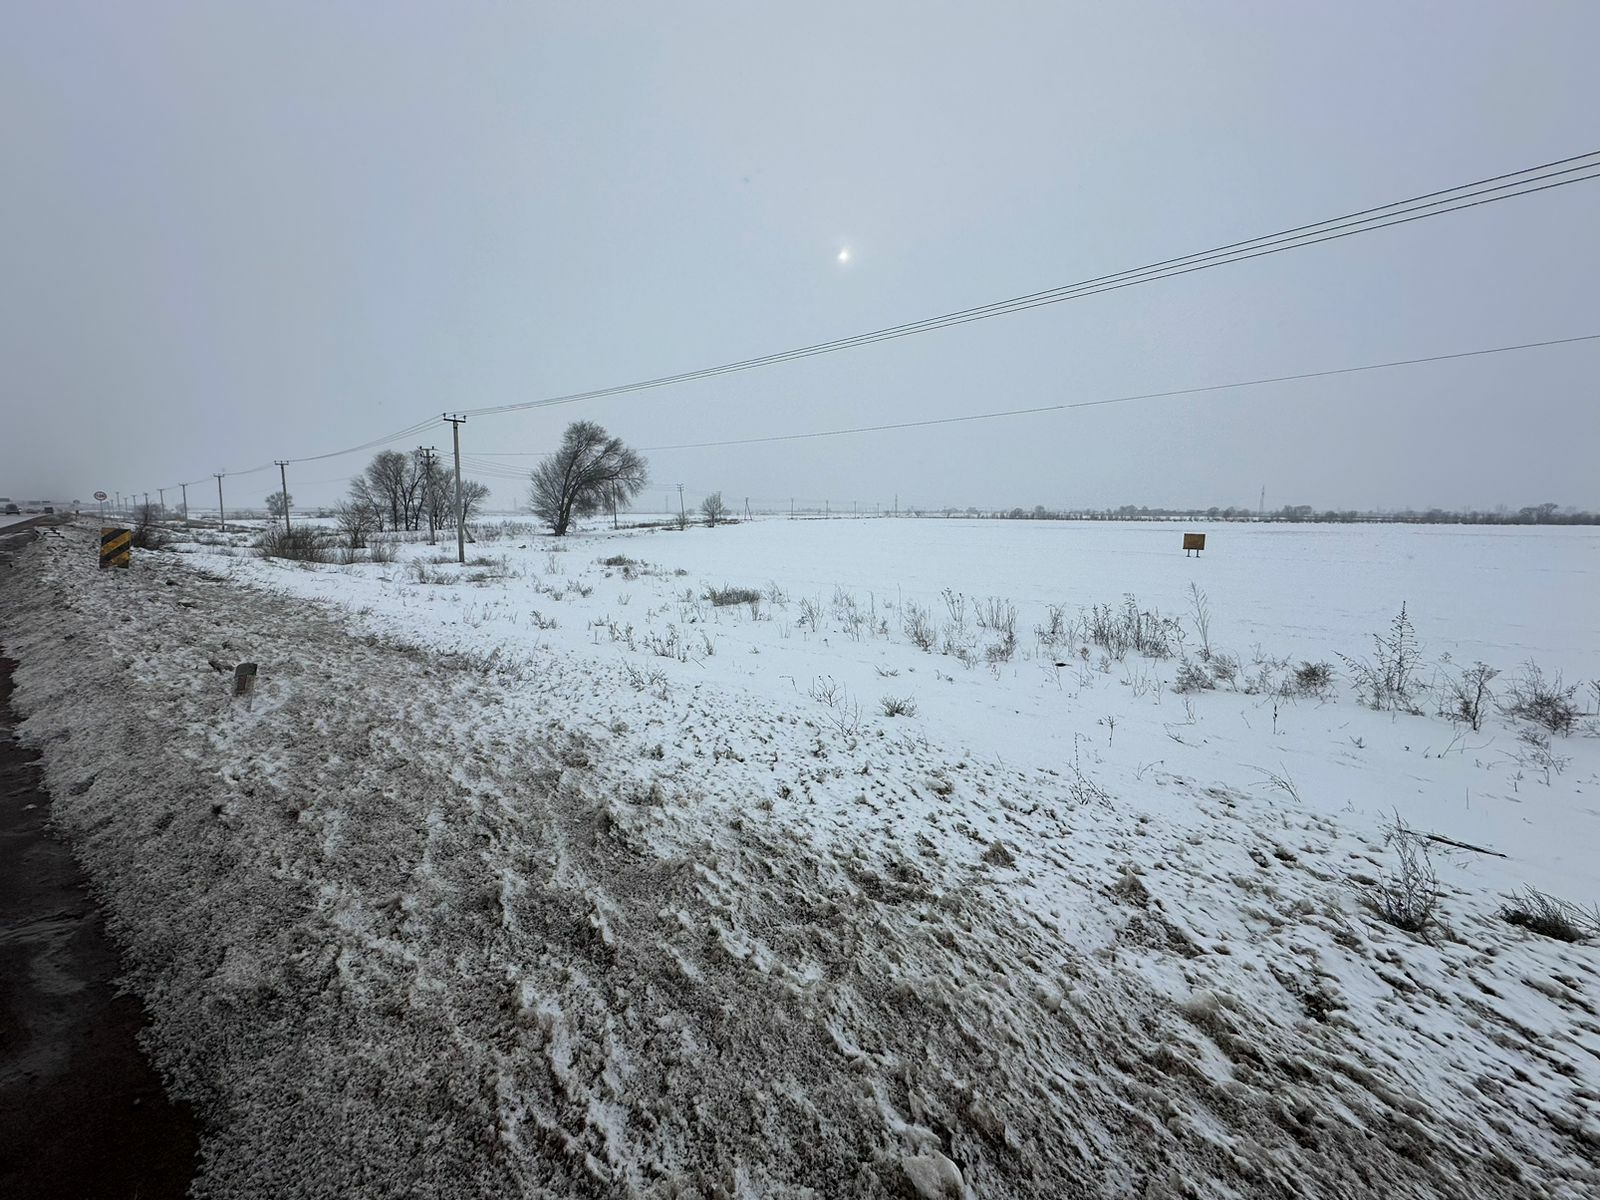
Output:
x=146 y=533
x=473 y=494
x=590 y=470
x=277 y=502
x=392 y=483
x=713 y=509
x=357 y=520
x=435 y=495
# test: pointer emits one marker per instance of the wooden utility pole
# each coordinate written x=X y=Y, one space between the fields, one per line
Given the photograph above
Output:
x=283 y=489
x=162 y=492
x=461 y=525
x=683 y=517
x=185 y=488
x=222 y=513
x=428 y=454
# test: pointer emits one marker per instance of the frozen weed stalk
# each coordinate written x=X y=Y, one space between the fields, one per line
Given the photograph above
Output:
x=1409 y=898
x=1390 y=679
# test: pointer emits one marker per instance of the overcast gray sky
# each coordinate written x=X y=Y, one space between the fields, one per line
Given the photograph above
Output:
x=232 y=233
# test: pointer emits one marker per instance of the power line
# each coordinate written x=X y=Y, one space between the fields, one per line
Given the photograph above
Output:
x=506 y=471
x=1188 y=391
x=407 y=432
x=1529 y=180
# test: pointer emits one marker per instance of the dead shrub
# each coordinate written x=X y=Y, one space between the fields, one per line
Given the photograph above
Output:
x=147 y=535
x=1312 y=679
x=1130 y=628
x=1550 y=916
x=1543 y=700
x=917 y=622
x=1224 y=668
x=1192 y=677
x=1390 y=679
x=1467 y=697
x=296 y=545
x=727 y=595
x=1409 y=898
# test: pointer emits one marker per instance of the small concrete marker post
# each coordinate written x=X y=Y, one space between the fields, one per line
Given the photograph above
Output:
x=116 y=546
x=244 y=679
x=1195 y=542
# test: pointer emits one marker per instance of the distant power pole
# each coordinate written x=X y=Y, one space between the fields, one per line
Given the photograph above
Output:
x=163 y=494
x=791 y=508
x=897 y=504
x=185 y=488
x=747 y=508
x=283 y=485
x=1261 y=508
x=683 y=517
x=827 y=508
x=428 y=454
x=461 y=525
x=222 y=513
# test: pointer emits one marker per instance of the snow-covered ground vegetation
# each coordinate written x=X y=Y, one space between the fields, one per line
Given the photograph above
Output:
x=851 y=858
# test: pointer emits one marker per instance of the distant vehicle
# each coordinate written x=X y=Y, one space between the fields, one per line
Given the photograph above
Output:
x=12 y=510
x=49 y=508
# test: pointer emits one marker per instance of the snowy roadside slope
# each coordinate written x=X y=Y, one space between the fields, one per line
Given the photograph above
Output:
x=418 y=923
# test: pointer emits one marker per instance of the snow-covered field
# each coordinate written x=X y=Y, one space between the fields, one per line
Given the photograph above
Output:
x=550 y=876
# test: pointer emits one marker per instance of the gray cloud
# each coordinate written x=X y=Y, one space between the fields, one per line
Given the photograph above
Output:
x=235 y=234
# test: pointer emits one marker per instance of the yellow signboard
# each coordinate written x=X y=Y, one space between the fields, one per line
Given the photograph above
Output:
x=1193 y=541
x=116 y=547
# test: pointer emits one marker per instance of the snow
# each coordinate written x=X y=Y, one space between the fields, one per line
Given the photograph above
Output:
x=549 y=877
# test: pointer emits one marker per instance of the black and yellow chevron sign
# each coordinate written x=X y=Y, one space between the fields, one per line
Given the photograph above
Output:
x=116 y=547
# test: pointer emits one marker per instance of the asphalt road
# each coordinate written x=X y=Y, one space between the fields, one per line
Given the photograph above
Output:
x=82 y=1114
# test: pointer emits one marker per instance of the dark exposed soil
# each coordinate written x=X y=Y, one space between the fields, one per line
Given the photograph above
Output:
x=83 y=1114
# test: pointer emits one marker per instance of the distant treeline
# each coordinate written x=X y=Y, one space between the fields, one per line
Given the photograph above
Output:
x=1533 y=514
